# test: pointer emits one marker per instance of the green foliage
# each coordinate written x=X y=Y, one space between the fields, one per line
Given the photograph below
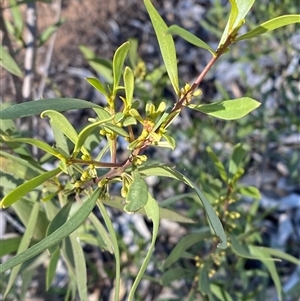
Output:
x=56 y=224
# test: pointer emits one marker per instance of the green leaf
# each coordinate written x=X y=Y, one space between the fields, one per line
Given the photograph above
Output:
x=26 y=187
x=115 y=244
x=116 y=129
x=102 y=113
x=104 y=241
x=280 y=254
x=228 y=109
x=177 y=273
x=249 y=191
x=239 y=10
x=20 y=168
x=48 y=32
x=129 y=121
x=62 y=123
x=162 y=170
x=95 y=82
x=166 y=44
x=220 y=292
x=152 y=211
x=80 y=267
x=9 y=245
x=189 y=37
x=236 y=160
x=166 y=171
x=59 y=219
x=118 y=202
x=244 y=250
x=86 y=132
x=233 y=14
x=51 y=268
x=38 y=143
x=219 y=165
x=8 y=63
x=23 y=209
x=185 y=243
x=17 y=18
x=118 y=62
x=70 y=226
x=170 y=141
x=36 y=107
x=213 y=219
x=137 y=195
x=129 y=85
x=100 y=65
x=270 y=25
x=24 y=244
x=270 y=265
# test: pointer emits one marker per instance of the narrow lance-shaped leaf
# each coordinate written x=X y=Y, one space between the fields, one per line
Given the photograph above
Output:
x=243 y=7
x=236 y=21
x=66 y=229
x=185 y=243
x=231 y=19
x=219 y=165
x=115 y=244
x=118 y=62
x=36 y=107
x=9 y=245
x=234 y=11
x=166 y=171
x=80 y=267
x=95 y=82
x=86 y=132
x=220 y=292
x=245 y=251
x=51 y=268
x=166 y=44
x=270 y=25
x=26 y=239
x=17 y=18
x=236 y=160
x=129 y=85
x=48 y=32
x=118 y=202
x=26 y=187
x=61 y=122
x=38 y=143
x=152 y=211
x=228 y=109
x=100 y=65
x=8 y=63
x=116 y=129
x=189 y=37
x=270 y=265
x=213 y=219
x=59 y=219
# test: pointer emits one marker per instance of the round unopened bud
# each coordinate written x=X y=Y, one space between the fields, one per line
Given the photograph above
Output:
x=85 y=157
x=77 y=184
x=102 y=132
x=143 y=158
